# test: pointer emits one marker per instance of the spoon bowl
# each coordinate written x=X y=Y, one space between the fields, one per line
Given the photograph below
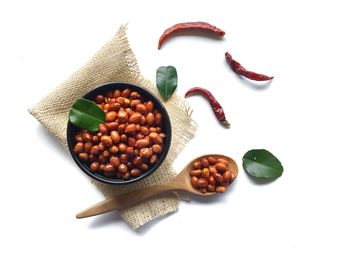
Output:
x=181 y=182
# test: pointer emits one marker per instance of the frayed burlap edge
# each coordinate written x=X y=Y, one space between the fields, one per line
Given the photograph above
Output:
x=115 y=62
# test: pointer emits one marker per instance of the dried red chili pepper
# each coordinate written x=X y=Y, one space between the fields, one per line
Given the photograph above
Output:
x=215 y=105
x=240 y=70
x=190 y=26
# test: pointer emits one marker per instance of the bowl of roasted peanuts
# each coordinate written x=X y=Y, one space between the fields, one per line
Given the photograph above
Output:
x=133 y=141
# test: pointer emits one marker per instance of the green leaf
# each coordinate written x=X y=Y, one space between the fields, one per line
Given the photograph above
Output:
x=263 y=164
x=166 y=81
x=87 y=115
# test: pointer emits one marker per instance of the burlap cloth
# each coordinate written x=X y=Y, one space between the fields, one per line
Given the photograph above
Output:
x=115 y=62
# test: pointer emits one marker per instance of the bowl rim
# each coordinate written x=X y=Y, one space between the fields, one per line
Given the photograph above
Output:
x=166 y=124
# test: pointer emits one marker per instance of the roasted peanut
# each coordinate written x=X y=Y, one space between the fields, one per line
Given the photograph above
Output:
x=211 y=188
x=106 y=154
x=212 y=160
x=117 y=93
x=130 y=129
x=99 y=99
x=158 y=119
x=111 y=116
x=222 y=160
x=221 y=167
x=106 y=140
x=123 y=138
x=83 y=156
x=122 y=147
x=108 y=168
x=194 y=181
x=135 y=117
x=144 y=167
x=135 y=172
x=129 y=111
x=212 y=170
x=197 y=165
x=129 y=151
x=112 y=126
x=142 y=143
x=113 y=149
x=202 y=182
x=131 y=142
x=134 y=95
x=94 y=166
x=126 y=176
x=121 y=128
x=138 y=127
x=115 y=136
x=87 y=137
x=134 y=103
x=114 y=106
x=102 y=159
x=95 y=139
x=226 y=176
x=221 y=189
x=122 y=168
x=155 y=138
x=157 y=149
x=150 y=118
x=196 y=172
x=101 y=146
x=105 y=107
x=149 y=106
x=153 y=159
x=141 y=109
x=95 y=150
x=103 y=128
x=139 y=136
x=126 y=93
x=123 y=158
x=204 y=162
x=212 y=180
x=146 y=152
x=205 y=173
x=144 y=130
x=114 y=160
x=122 y=116
x=120 y=100
x=78 y=138
x=143 y=120
x=218 y=178
x=79 y=147
x=137 y=161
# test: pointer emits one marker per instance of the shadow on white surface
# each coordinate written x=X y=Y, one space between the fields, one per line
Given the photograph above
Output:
x=50 y=141
x=145 y=228
x=260 y=181
x=105 y=220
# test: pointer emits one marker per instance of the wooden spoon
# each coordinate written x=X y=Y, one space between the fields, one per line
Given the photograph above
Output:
x=181 y=182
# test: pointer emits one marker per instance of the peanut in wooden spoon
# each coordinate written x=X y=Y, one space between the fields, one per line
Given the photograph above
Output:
x=181 y=182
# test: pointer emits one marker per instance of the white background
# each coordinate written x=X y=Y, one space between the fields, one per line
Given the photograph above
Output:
x=302 y=117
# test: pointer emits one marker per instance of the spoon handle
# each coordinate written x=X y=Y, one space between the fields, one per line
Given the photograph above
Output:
x=126 y=200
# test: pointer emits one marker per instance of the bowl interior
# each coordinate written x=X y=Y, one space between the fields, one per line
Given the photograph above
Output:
x=72 y=130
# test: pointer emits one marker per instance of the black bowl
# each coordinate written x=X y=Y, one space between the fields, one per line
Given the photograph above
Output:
x=72 y=130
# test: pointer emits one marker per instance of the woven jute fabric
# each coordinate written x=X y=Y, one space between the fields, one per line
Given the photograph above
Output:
x=115 y=62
